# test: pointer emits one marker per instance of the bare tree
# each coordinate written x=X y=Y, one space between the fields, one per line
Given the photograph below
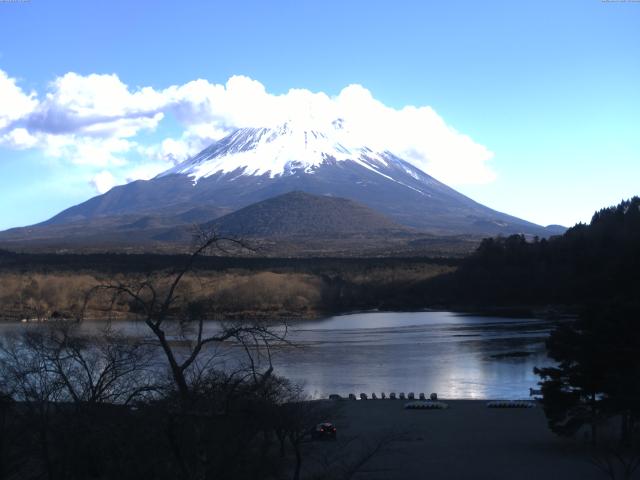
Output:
x=62 y=378
x=57 y=362
x=177 y=321
x=156 y=305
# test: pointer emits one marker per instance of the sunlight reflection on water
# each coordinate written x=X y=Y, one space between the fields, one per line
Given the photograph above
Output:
x=453 y=355
x=418 y=351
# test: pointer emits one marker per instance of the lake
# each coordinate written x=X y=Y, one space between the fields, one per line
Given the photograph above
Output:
x=457 y=356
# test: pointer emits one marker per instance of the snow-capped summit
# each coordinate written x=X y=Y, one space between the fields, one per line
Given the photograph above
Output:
x=285 y=149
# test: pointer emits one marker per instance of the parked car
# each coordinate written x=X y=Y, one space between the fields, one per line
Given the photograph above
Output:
x=324 y=431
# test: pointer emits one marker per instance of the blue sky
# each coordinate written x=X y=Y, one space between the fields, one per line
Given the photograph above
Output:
x=551 y=89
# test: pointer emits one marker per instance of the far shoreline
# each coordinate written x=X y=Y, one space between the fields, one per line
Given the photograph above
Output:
x=551 y=313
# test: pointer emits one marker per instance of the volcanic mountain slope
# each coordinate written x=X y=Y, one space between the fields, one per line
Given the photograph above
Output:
x=300 y=224
x=254 y=164
x=305 y=215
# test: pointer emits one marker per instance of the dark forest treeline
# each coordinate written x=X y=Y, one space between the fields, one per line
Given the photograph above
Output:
x=594 y=263
x=150 y=262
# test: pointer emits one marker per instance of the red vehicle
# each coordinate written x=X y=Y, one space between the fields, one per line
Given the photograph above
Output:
x=324 y=431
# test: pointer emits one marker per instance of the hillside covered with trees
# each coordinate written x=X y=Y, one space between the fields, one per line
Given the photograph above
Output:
x=593 y=263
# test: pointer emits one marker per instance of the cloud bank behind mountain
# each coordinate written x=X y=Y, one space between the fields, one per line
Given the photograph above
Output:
x=100 y=124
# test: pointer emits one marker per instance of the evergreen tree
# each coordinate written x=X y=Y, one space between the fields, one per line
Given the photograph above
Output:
x=598 y=371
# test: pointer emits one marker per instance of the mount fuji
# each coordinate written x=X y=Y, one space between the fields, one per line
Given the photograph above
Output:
x=254 y=164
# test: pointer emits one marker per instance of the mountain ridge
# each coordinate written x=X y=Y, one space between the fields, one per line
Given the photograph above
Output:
x=252 y=165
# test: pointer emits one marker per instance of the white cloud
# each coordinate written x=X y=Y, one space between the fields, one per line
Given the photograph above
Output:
x=173 y=150
x=145 y=171
x=96 y=120
x=18 y=138
x=103 y=181
x=417 y=134
x=98 y=105
x=14 y=103
x=82 y=150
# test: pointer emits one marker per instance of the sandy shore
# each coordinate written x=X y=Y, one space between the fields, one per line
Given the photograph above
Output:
x=465 y=441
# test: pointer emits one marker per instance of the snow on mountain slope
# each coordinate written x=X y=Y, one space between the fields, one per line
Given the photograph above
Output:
x=291 y=149
x=283 y=150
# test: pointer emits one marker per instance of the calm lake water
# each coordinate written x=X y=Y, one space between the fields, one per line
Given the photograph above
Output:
x=457 y=356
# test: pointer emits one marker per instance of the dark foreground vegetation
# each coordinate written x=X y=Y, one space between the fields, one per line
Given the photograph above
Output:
x=594 y=390
x=99 y=407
